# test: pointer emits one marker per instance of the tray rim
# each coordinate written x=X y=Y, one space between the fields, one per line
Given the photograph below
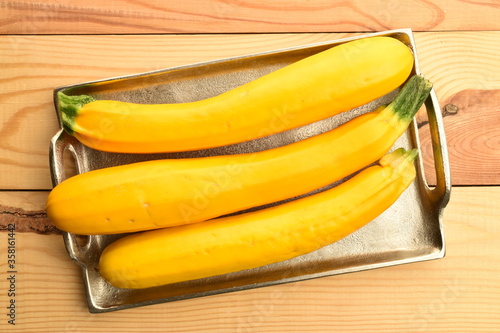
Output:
x=442 y=196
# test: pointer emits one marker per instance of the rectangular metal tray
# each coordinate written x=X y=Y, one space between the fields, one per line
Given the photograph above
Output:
x=410 y=231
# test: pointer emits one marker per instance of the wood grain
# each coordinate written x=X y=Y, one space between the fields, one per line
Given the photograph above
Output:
x=465 y=72
x=477 y=158
x=32 y=66
x=230 y=16
x=456 y=294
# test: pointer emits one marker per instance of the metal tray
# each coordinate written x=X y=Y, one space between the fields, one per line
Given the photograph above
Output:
x=410 y=231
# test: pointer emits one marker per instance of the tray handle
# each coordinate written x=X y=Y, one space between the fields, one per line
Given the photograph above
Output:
x=441 y=193
x=61 y=142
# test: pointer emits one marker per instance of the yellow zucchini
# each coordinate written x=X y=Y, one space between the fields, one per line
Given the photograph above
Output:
x=164 y=193
x=314 y=88
x=254 y=239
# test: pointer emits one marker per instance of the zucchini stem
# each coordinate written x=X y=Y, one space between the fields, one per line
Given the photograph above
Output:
x=401 y=161
x=69 y=107
x=409 y=100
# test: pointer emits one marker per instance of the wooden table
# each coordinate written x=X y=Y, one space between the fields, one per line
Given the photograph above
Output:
x=59 y=42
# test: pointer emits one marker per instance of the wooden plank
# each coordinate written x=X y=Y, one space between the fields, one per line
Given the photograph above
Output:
x=217 y=16
x=472 y=119
x=464 y=69
x=457 y=294
x=32 y=66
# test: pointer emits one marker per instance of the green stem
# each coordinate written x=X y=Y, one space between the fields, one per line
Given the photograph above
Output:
x=70 y=106
x=410 y=98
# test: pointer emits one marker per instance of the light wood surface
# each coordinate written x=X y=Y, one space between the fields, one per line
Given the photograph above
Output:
x=48 y=44
x=457 y=294
x=215 y=16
